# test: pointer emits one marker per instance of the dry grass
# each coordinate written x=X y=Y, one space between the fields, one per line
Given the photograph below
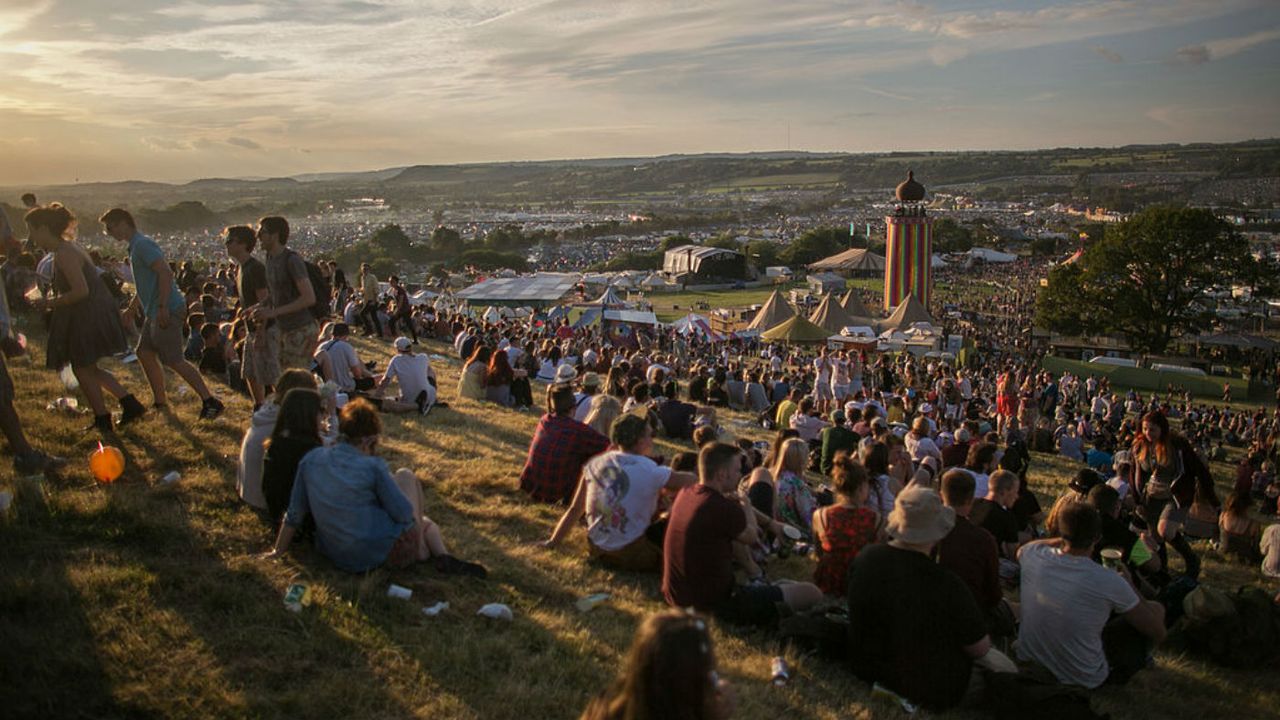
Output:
x=145 y=600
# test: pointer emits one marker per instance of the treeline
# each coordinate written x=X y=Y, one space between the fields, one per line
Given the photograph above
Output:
x=390 y=250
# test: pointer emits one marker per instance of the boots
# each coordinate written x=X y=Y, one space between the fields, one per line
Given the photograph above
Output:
x=1189 y=557
x=132 y=409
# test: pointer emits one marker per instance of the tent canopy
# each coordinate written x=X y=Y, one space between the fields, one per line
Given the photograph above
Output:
x=908 y=312
x=537 y=290
x=774 y=312
x=855 y=259
x=609 y=299
x=991 y=256
x=853 y=305
x=796 y=330
x=830 y=315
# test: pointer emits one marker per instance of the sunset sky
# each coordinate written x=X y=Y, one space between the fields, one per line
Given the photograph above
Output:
x=142 y=89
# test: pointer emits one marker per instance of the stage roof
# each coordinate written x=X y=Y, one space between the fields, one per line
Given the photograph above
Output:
x=534 y=290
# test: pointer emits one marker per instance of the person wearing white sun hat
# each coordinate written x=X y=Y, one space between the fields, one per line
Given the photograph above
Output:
x=914 y=626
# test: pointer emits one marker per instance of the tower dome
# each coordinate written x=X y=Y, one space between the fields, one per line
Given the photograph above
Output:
x=909 y=190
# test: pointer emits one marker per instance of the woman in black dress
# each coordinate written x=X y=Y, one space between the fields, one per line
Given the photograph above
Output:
x=84 y=323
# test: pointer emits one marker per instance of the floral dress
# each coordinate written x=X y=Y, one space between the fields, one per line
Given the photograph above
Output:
x=795 y=503
x=848 y=530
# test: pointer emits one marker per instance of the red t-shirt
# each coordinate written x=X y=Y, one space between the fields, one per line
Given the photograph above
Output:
x=697 y=563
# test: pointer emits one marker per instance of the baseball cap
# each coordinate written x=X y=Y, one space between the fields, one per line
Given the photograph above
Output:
x=403 y=344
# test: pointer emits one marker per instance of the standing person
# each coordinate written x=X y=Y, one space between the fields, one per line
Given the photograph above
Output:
x=26 y=459
x=402 y=313
x=369 y=297
x=290 y=295
x=260 y=366
x=1167 y=477
x=164 y=312
x=84 y=325
x=670 y=672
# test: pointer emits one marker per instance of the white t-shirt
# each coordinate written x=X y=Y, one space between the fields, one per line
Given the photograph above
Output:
x=1066 y=601
x=582 y=406
x=411 y=370
x=341 y=358
x=622 y=496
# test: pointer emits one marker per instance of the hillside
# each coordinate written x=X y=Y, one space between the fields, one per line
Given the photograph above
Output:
x=140 y=599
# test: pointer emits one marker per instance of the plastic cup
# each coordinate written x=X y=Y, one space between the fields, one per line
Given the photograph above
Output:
x=399 y=592
x=1112 y=558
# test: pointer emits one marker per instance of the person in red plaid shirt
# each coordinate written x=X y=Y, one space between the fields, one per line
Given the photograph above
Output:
x=560 y=447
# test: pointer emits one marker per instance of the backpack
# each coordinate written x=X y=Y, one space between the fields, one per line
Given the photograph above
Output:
x=323 y=290
x=1244 y=635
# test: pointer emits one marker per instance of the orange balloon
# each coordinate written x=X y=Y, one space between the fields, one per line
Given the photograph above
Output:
x=106 y=463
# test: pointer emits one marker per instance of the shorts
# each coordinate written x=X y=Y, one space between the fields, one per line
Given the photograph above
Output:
x=405 y=552
x=164 y=343
x=855 y=386
x=1155 y=510
x=751 y=605
x=840 y=391
x=822 y=391
x=641 y=555
x=296 y=346
x=261 y=362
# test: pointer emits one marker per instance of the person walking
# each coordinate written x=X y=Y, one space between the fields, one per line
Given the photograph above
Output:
x=162 y=305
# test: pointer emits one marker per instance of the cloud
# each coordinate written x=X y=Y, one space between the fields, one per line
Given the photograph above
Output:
x=245 y=143
x=1193 y=54
x=1107 y=54
x=1225 y=47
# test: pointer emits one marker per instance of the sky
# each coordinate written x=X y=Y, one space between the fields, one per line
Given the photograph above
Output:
x=183 y=89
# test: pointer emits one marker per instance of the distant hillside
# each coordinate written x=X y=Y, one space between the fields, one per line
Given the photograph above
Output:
x=1179 y=169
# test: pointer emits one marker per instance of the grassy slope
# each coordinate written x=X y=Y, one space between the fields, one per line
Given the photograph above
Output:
x=139 y=599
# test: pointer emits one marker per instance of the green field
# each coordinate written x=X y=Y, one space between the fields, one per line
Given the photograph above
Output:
x=675 y=305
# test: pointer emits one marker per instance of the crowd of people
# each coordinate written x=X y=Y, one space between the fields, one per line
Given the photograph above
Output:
x=905 y=478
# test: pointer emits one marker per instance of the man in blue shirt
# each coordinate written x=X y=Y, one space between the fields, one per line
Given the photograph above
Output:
x=164 y=310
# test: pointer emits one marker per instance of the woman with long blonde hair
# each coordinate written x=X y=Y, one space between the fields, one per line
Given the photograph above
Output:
x=604 y=410
x=795 y=503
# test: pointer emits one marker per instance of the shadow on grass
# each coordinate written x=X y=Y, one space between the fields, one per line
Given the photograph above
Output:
x=50 y=664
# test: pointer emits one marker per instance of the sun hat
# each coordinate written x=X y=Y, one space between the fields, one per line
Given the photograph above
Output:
x=919 y=517
x=403 y=344
x=590 y=379
x=565 y=373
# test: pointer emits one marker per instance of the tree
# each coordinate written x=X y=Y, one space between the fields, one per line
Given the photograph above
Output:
x=391 y=239
x=494 y=260
x=950 y=236
x=674 y=241
x=1042 y=246
x=814 y=245
x=763 y=253
x=446 y=241
x=1146 y=278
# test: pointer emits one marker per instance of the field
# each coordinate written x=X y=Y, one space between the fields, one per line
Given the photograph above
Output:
x=675 y=305
x=140 y=599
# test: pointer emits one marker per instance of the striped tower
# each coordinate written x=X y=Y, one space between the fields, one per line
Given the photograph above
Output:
x=908 y=266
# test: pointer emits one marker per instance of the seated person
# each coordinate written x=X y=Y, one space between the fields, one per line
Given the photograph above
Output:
x=416 y=378
x=1137 y=551
x=970 y=552
x=843 y=529
x=698 y=554
x=1068 y=601
x=261 y=425
x=670 y=673
x=560 y=447
x=619 y=494
x=297 y=432
x=914 y=627
x=677 y=417
x=806 y=423
x=837 y=438
x=341 y=364
x=364 y=516
x=213 y=356
x=1239 y=534
x=795 y=499
x=994 y=514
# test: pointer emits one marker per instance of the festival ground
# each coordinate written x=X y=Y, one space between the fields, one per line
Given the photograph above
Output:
x=141 y=599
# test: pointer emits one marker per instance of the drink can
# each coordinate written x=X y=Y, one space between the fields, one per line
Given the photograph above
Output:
x=399 y=592
x=779 y=671
x=296 y=596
